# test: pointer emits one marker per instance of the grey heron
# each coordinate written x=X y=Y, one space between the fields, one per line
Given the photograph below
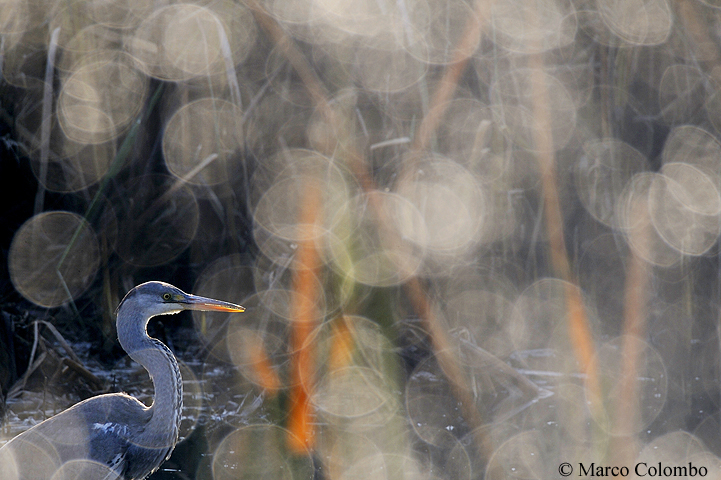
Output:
x=115 y=436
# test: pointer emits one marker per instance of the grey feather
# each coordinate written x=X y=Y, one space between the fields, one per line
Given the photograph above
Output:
x=115 y=436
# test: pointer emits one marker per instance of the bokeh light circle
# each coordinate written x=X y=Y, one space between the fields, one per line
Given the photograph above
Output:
x=259 y=451
x=602 y=173
x=76 y=167
x=100 y=98
x=513 y=101
x=53 y=258
x=450 y=202
x=685 y=208
x=76 y=469
x=694 y=146
x=638 y=22
x=183 y=41
x=525 y=455
x=378 y=239
x=634 y=219
x=202 y=141
x=554 y=25
x=636 y=381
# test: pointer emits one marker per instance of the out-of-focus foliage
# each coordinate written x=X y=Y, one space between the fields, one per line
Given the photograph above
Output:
x=476 y=238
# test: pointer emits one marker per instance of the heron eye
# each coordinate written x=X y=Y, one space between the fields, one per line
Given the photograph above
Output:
x=167 y=296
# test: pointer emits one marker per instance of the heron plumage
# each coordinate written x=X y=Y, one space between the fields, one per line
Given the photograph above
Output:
x=115 y=432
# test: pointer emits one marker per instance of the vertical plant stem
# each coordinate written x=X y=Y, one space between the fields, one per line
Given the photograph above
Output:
x=303 y=315
x=46 y=120
x=579 y=330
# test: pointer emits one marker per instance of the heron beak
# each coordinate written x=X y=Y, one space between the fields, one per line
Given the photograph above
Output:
x=194 y=302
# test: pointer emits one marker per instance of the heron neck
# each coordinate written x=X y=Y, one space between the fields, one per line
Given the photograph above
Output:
x=159 y=361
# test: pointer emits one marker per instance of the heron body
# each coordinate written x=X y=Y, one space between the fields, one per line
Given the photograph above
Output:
x=115 y=436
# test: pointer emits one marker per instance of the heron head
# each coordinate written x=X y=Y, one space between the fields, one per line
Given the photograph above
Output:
x=160 y=298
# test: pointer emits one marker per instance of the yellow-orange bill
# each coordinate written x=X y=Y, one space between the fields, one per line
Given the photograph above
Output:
x=201 y=303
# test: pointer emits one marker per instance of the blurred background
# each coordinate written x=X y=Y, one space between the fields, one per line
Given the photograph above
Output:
x=475 y=239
